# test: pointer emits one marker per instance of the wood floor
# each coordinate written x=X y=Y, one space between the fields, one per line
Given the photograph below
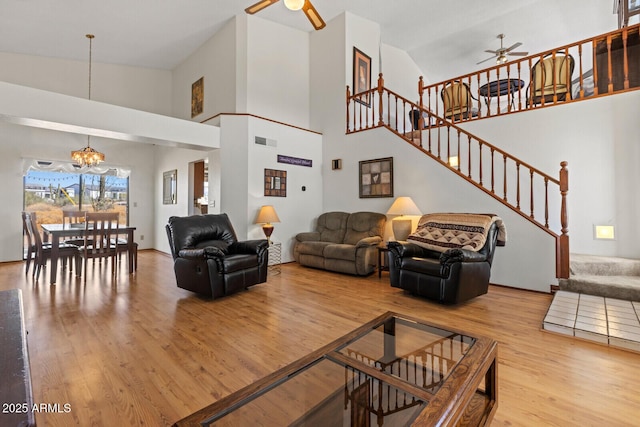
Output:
x=140 y=351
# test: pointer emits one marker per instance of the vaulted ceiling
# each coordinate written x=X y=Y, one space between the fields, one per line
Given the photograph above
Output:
x=445 y=38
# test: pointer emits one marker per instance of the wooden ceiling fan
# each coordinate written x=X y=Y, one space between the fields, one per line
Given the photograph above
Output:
x=501 y=54
x=305 y=5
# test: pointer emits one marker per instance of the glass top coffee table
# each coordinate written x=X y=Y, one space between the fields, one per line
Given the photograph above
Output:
x=394 y=371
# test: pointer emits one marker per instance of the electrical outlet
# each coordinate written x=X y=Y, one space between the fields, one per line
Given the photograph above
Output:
x=142 y=237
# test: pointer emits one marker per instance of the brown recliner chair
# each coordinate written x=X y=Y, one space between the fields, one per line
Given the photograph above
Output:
x=451 y=274
x=209 y=259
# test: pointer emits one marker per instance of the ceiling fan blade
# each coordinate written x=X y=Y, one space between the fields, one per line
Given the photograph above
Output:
x=495 y=52
x=518 y=53
x=515 y=45
x=312 y=15
x=484 y=60
x=259 y=6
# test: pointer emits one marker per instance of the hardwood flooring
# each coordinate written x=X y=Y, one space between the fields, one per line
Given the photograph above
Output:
x=140 y=351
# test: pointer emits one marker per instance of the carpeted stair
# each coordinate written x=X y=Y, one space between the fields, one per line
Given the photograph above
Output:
x=604 y=276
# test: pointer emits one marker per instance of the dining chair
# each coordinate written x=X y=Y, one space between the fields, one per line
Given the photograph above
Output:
x=457 y=99
x=71 y=219
x=42 y=250
x=101 y=229
x=31 y=249
x=551 y=79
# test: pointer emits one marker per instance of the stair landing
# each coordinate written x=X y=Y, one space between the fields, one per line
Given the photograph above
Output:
x=609 y=321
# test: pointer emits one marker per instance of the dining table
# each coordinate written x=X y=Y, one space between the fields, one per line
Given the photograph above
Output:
x=57 y=231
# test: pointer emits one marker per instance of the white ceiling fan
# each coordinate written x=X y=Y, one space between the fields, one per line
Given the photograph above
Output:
x=502 y=53
x=305 y=5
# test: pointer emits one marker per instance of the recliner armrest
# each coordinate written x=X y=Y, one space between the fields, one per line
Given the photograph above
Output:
x=406 y=249
x=309 y=236
x=369 y=241
x=257 y=246
x=461 y=255
x=201 y=253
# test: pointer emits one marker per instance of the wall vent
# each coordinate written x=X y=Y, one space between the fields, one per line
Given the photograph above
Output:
x=260 y=140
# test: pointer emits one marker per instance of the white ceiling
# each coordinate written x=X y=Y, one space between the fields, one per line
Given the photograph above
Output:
x=445 y=38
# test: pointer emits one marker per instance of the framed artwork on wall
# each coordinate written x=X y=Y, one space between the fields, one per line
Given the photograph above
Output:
x=197 y=97
x=376 y=178
x=361 y=75
x=275 y=183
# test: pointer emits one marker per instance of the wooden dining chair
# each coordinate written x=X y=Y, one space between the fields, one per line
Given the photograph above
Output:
x=42 y=251
x=71 y=219
x=101 y=230
x=31 y=248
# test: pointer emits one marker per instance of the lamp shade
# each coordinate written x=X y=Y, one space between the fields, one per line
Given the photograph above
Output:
x=294 y=4
x=404 y=206
x=267 y=215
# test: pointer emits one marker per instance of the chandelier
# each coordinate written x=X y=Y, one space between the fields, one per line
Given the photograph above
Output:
x=87 y=155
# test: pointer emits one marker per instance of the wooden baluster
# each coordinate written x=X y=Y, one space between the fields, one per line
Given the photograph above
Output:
x=360 y=111
x=531 y=205
x=546 y=202
x=519 y=87
x=531 y=83
x=498 y=90
x=504 y=176
x=581 y=77
x=625 y=57
x=479 y=160
x=348 y=96
x=380 y=89
x=488 y=97
x=469 y=157
x=595 y=69
x=478 y=96
x=493 y=180
x=518 y=185
x=458 y=151
x=448 y=146
x=372 y=113
x=563 y=252
x=609 y=65
x=389 y=109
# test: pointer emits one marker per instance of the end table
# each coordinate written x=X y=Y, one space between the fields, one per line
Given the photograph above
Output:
x=275 y=257
x=382 y=265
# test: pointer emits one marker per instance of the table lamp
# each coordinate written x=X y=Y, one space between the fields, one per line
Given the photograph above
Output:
x=266 y=216
x=402 y=226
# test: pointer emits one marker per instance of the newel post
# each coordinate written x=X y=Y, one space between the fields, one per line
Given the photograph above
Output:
x=421 y=91
x=380 y=90
x=348 y=96
x=562 y=252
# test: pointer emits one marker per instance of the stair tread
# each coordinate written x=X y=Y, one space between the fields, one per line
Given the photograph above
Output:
x=622 y=280
x=582 y=264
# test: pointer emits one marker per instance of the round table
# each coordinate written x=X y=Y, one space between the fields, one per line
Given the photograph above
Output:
x=499 y=88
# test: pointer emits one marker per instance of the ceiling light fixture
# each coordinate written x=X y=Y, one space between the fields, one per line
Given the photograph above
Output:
x=294 y=4
x=87 y=156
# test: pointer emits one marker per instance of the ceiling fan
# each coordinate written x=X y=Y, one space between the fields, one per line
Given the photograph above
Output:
x=305 y=5
x=501 y=54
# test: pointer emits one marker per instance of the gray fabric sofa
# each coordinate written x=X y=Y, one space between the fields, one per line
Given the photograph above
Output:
x=342 y=242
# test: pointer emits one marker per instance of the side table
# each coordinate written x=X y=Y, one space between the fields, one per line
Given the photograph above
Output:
x=275 y=257
x=382 y=265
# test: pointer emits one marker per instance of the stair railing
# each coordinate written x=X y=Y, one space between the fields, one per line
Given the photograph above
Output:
x=602 y=65
x=518 y=185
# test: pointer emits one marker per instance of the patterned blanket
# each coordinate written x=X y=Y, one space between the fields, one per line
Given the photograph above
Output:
x=443 y=231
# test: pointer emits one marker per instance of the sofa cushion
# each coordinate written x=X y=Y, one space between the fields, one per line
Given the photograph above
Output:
x=340 y=251
x=364 y=224
x=312 y=248
x=332 y=226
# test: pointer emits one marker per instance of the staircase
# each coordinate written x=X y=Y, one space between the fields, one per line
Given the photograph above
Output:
x=609 y=277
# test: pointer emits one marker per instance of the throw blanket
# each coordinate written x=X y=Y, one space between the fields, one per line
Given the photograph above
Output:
x=444 y=231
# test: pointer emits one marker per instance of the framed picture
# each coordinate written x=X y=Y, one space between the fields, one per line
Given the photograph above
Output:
x=197 y=97
x=169 y=187
x=275 y=183
x=376 y=178
x=361 y=76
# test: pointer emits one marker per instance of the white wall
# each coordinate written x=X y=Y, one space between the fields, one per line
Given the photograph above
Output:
x=277 y=72
x=242 y=175
x=215 y=60
x=139 y=88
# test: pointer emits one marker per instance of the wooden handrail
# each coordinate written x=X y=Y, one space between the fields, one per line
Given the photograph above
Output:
x=444 y=139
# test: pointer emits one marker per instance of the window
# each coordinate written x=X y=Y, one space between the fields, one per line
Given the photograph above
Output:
x=48 y=193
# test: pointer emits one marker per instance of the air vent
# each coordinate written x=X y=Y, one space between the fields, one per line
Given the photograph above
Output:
x=260 y=140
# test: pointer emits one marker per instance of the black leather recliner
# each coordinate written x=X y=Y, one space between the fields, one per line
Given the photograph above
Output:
x=209 y=259
x=449 y=277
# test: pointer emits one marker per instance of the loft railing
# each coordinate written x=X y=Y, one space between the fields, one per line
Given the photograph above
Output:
x=518 y=185
x=602 y=65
